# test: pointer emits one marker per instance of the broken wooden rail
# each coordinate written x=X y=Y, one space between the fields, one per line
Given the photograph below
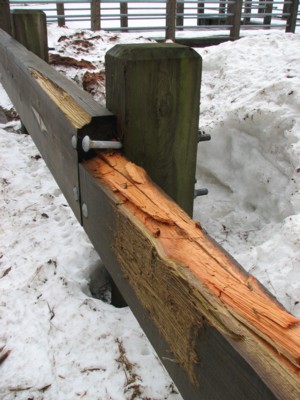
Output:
x=218 y=332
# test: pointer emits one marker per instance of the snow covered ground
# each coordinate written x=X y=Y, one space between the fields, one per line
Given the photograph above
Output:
x=63 y=344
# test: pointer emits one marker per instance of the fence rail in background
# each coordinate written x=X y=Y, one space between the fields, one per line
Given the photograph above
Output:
x=171 y=16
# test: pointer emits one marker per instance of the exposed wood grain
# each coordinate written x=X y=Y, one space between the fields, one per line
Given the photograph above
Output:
x=218 y=361
x=71 y=109
x=183 y=278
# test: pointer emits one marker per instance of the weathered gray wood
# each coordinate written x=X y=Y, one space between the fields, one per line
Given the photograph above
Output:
x=5 y=21
x=53 y=110
x=292 y=19
x=95 y=15
x=30 y=29
x=171 y=20
x=154 y=91
x=221 y=373
x=60 y=8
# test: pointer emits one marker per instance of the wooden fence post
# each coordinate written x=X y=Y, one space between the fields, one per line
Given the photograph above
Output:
x=222 y=7
x=171 y=20
x=180 y=17
x=248 y=10
x=30 y=29
x=124 y=16
x=95 y=15
x=268 y=10
x=154 y=90
x=292 y=18
x=200 y=13
x=5 y=20
x=285 y=10
x=60 y=8
x=235 y=20
x=261 y=6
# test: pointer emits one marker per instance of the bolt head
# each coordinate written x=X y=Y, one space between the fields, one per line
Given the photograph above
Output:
x=84 y=210
x=74 y=142
x=86 y=143
x=76 y=193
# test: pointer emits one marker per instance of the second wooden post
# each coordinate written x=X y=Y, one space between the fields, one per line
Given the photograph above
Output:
x=154 y=90
x=30 y=29
x=5 y=22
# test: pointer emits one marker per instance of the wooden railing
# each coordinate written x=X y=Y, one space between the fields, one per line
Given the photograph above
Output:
x=218 y=332
x=172 y=16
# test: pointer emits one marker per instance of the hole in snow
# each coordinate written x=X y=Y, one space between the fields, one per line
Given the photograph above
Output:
x=102 y=287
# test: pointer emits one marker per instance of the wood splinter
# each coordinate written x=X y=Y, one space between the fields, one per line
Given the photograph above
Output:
x=201 y=279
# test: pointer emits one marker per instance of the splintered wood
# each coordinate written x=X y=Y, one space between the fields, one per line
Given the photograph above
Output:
x=204 y=281
x=71 y=109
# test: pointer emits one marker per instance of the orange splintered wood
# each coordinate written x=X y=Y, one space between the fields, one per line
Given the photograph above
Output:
x=183 y=241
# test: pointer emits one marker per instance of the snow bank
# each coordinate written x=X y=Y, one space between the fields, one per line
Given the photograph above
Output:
x=250 y=106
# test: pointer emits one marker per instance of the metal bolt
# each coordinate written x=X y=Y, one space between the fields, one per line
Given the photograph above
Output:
x=74 y=142
x=84 y=210
x=203 y=137
x=76 y=193
x=200 y=192
x=88 y=144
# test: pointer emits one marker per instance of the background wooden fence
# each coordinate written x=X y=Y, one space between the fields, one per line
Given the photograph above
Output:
x=172 y=16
